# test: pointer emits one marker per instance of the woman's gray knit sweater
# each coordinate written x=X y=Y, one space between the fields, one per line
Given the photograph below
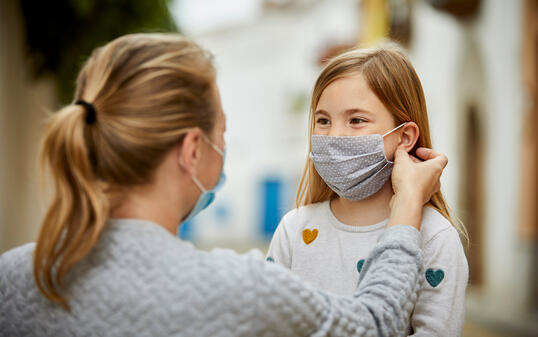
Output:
x=139 y=280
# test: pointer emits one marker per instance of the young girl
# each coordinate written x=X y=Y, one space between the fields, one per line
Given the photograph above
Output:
x=367 y=103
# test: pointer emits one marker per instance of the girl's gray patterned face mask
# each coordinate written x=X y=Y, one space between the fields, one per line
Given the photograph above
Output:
x=355 y=167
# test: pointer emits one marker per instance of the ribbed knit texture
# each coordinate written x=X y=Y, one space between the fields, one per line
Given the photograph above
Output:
x=139 y=280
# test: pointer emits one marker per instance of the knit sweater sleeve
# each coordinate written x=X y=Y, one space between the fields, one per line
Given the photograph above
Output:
x=381 y=306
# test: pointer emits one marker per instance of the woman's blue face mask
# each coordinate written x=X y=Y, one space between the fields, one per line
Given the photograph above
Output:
x=207 y=196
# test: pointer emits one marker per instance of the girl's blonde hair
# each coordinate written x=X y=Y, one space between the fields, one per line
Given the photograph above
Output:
x=148 y=91
x=393 y=79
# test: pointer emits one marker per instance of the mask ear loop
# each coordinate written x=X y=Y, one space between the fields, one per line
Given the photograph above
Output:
x=396 y=128
x=196 y=181
x=215 y=147
x=219 y=151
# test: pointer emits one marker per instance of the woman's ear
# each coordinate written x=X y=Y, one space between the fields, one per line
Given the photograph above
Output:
x=409 y=136
x=190 y=151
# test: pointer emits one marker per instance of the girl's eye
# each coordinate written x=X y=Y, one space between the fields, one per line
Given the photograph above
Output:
x=323 y=121
x=357 y=120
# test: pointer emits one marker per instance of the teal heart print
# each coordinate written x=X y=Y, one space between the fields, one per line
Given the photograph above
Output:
x=359 y=265
x=434 y=277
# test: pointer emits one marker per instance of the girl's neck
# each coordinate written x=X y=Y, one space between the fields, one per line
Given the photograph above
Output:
x=369 y=211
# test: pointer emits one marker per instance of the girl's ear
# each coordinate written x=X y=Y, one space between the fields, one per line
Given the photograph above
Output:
x=409 y=136
x=189 y=153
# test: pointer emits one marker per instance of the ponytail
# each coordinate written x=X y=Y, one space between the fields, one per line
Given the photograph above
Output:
x=76 y=216
x=144 y=91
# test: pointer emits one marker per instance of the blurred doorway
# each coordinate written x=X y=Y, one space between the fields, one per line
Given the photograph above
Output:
x=472 y=195
x=473 y=124
x=528 y=222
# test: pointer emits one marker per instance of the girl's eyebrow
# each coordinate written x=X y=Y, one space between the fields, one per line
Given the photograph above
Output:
x=357 y=110
x=347 y=112
x=321 y=112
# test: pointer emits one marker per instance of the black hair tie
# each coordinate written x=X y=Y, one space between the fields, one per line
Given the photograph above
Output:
x=91 y=114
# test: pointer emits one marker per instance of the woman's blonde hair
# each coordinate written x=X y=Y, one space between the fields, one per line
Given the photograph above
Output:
x=393 y=79
x=148 y=90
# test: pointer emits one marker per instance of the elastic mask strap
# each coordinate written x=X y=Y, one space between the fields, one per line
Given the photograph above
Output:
x=396 y=128
x=197 y=182
x=219 y=151
x=215 y=147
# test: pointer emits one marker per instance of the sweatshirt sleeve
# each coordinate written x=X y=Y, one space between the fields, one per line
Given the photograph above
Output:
x=280 y=248
x=287 y=306
x=440 y=309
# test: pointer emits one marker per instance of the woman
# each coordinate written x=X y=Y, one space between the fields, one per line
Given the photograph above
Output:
x=136 y=154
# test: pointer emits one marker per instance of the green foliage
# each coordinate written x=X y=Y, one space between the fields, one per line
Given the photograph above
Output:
x=61 y=34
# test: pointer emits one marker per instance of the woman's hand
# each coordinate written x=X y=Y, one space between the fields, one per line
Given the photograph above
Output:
x=414 y=182
x=418 y=180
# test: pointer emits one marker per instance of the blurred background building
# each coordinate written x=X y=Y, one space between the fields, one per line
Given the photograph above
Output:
x=478 y=62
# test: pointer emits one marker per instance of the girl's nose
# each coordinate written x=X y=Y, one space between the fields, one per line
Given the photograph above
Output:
x=334 y=132
x=337 y=129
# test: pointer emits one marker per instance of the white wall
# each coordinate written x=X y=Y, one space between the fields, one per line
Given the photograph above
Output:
x=263 y=65
x=507 y=258
x=441 y=50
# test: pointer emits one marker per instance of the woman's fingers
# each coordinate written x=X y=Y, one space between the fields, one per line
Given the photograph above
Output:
x=400 y=155
x=417 y=179
x=425 y=153
x=442 y=160
x=415 y=159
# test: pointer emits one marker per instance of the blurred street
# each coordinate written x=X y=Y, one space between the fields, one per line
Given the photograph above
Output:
x=477 y=61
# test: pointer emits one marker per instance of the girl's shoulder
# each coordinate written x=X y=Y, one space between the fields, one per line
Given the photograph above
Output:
x=306 y=214
x=436 y=226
